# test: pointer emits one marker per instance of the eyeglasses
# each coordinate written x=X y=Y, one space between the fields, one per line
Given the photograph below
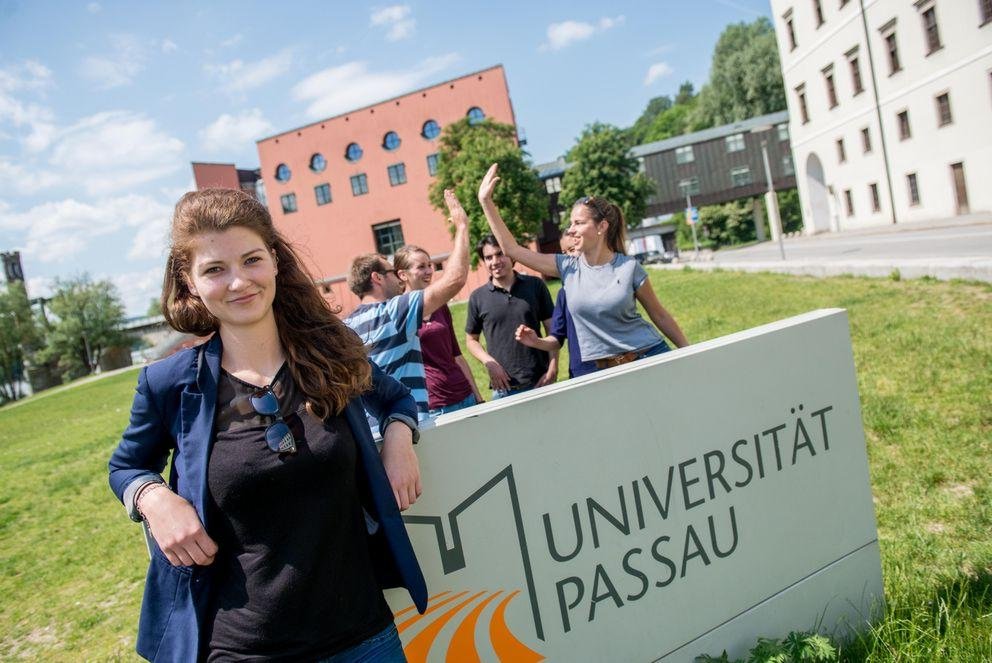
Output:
x=278 y=436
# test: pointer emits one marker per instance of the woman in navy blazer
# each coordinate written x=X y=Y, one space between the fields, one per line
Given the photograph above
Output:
x=254 y=421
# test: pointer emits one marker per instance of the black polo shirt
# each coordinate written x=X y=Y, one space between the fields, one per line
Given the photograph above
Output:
x=496 y=314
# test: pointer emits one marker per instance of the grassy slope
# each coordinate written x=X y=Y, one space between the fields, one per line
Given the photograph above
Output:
x=71 y=566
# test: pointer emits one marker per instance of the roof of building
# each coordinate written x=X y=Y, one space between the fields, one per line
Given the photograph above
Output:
x=379 y=103
x=710 y=134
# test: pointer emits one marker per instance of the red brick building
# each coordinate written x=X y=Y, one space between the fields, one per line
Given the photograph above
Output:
x=358 y=182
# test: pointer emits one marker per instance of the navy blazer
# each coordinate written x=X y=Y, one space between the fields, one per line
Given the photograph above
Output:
x=173 y=412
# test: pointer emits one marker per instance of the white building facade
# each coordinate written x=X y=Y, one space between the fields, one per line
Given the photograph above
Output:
x=890 y=105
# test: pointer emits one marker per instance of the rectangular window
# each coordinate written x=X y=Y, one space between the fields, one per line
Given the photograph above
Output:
x=893 y=50
x=553 y=185
x=740 y=176
x=865 y=140
x=803 y=109
x=856 y=83
x=904 y=131
x=818 y=12
x=985 y=7
x=432 y=164
x=689 y=186
x=841 y=153
x=359 y=184
x=791 y=31
x=944 y=110
x=783 y=131
x=787 y=167
x=397 y=174
x=876 y=203
x=684 y=154
x=323 y=193
x=914 y=189
x=930 y=30
x=388 y=237
x=828 y=79
x=848 y=202
x=735 y=142
x=288 y=203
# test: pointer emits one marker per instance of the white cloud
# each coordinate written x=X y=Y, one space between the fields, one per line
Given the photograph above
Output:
x=169 y=46
x=229 y=133
x=58 y=230
x=94 y=8
x=137 y=289
x=27 y=77
x=116 y=150
x=120 y=67
x=232 y=41
x=567 y=33
x=397 y=21
x=237 y=76
x=656 y=71
x=351 y=85
x=16 y=179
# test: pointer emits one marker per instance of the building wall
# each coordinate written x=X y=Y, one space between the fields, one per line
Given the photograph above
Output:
x=962 y=68
x=331 y=235
x=215 y=175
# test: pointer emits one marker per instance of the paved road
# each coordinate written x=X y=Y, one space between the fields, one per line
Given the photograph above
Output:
x=961 y=250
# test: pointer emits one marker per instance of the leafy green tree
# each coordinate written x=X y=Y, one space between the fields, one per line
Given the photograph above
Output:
x=673 y=122
x=664 y=117
x=601 y=165
x=745 y=76
x=154 y=307
x=638 y=131
x=466 y=153
x=88 y=316
x=789 y=210
x=19 y=337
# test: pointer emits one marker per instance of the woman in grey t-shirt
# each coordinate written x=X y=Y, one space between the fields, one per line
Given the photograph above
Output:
x=603 y=283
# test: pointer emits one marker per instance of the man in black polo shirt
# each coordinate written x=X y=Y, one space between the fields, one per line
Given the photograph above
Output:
x=496 y=310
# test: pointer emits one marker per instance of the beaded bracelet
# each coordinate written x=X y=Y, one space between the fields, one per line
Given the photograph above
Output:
x=144 y=490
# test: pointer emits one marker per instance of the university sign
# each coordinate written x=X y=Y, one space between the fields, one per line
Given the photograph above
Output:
x=681 y=505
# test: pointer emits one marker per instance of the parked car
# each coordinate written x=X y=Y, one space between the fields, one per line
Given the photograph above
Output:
x=649 y=257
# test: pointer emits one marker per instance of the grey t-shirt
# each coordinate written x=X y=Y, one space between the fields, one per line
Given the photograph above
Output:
x=601 y=301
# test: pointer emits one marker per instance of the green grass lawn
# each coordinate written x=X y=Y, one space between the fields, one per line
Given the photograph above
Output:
x=72 y=565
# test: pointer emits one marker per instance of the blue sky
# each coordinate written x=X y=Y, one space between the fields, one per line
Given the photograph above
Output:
x=103 y=105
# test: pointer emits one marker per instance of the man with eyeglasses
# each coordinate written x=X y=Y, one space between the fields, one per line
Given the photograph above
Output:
x=387 y=319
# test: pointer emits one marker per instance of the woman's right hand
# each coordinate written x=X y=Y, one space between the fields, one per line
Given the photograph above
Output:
x=488 y=184
x=176 y=528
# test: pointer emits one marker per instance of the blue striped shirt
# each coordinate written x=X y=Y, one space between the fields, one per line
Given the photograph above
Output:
x=389 y=331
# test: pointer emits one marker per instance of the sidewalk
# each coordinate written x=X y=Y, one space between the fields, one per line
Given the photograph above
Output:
x=976 y=265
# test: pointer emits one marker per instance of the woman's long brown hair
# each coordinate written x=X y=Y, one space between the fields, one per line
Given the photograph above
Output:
x=326 y=358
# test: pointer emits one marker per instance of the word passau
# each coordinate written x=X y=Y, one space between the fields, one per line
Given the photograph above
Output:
x=661 y=560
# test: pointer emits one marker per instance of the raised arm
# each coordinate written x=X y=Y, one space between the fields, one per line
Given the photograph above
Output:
x=541 y=262
x=659 y=315
x=455 y=272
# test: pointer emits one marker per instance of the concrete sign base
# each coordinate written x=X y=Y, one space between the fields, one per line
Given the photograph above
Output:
x=680 y=505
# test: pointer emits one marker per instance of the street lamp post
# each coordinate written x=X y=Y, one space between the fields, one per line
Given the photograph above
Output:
x=771 y=201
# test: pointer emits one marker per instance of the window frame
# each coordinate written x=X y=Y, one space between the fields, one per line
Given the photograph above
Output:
x=353 y=153
x=913 y=189
x=841 y=151
x=681 y=152
x=288 y=203
x=902 y=123
x=866 y=146
x=433 y=123
x=689 y=186
x=397 y=173
x=475 y=118
x=283 y=168
x=942 y=120
x=874 y=197
x=362 y=180
x=738 y=171
x=432 y=163
x=379 y=229
x=391 y=141
x=317 y=191
x=931 y=31
x=735 y=143
x=314 y=159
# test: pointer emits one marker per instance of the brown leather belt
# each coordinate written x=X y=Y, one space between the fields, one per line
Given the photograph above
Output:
x=619 y=360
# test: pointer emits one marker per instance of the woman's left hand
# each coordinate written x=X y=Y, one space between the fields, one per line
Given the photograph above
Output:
x=402 y=466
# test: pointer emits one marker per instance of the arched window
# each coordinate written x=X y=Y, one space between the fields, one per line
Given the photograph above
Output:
x=353 y=152
x=391 y=140
x=283 y=173
x=318 y=163
x=431 y=130
x=475 y=115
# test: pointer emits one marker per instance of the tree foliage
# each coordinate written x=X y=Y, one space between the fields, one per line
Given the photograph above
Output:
x=745 y=76
x=19 y=337
x=466 y=153
x=602 y=166
x=664 y=117
x=88 y=316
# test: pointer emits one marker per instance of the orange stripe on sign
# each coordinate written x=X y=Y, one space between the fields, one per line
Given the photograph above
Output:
x=461 y=649
x=505 y=644
x=416 y=618
x=417 y=649
x=413 y=607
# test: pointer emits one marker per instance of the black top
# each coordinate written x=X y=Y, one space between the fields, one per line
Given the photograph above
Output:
x=497 y=313
x=295 y=580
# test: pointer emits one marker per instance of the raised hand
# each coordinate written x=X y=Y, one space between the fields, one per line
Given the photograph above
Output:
x=488 y=185
x=455 y=209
